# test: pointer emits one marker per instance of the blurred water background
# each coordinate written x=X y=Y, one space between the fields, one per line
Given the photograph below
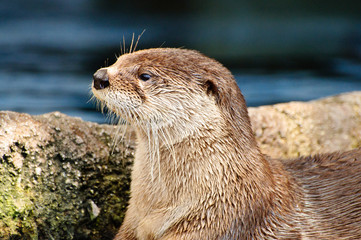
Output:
x=279 y=51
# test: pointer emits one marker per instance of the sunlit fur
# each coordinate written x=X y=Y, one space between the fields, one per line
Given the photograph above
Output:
x=198 y=172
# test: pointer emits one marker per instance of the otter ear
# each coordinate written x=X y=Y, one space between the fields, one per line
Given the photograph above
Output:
x=212 y=89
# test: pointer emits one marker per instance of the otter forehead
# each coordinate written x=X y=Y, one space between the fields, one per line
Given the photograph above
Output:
x=171 y=59
x=162 y=56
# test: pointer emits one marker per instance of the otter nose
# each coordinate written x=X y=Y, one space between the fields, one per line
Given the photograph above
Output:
x=100 y=79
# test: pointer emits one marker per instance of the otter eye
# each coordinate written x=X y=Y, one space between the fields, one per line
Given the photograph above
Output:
x=144 y=77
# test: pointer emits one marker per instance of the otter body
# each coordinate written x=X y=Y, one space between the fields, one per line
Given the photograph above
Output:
x=198 y=172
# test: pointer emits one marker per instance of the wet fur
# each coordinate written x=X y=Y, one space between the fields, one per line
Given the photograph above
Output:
x=198 y=172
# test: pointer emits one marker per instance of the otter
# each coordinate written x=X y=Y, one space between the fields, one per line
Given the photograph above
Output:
x=198 y=172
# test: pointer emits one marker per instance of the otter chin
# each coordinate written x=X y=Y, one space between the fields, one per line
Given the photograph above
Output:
x=198 y=172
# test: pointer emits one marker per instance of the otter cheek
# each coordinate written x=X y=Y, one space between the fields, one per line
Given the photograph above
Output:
x=136 y=102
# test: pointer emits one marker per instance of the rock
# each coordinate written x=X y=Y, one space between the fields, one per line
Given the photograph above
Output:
x=63 y=178
x=304 y=128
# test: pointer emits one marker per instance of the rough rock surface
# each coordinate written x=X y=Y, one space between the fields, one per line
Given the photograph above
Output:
x=302 y=128
x=63 y=178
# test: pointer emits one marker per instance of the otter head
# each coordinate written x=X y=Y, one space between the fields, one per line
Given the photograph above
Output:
x=169 y=88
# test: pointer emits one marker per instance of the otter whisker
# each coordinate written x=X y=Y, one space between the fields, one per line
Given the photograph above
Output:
x=121 y=48
x=92 y=98
x=150 y=152
x=106 y=62
x=131 y=44
x=110 y=115
x=124 y=50
x=168 y=144
x=156 y=148
x=119 y=137
x=136 y=43
x=99 y=105
x=162 y=44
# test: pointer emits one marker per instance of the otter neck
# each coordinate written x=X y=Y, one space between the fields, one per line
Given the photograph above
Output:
x=212 y=154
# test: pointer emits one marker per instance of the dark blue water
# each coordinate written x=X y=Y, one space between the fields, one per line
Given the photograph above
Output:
x=49 y=51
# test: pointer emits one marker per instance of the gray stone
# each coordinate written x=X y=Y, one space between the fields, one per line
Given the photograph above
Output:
x=61 y=177
x=303 y=128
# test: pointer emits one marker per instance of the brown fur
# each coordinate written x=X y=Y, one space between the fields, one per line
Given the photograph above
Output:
x=198 y=172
